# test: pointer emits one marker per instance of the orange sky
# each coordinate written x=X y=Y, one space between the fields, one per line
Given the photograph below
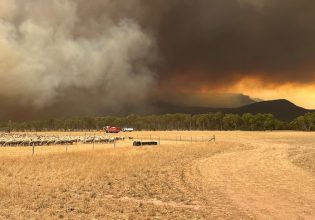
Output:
x=302 y=95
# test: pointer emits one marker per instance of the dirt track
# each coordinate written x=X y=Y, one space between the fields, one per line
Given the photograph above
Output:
x=245 y=175
x=261 y=182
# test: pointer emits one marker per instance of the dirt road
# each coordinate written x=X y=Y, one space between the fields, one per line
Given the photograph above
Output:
x=261 y=181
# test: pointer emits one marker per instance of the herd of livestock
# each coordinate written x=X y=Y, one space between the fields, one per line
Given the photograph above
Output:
x=11 y=140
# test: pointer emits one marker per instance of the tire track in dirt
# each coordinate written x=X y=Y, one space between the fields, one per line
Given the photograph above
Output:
x=261 y=182
x=157 y=202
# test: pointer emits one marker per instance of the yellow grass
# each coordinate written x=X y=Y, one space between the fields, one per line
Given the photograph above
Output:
x=239 y=177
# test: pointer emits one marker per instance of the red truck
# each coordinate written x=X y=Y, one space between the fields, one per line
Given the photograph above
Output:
x=109 y=129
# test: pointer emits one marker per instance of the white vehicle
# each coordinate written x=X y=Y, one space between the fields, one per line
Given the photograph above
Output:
x=128 y=129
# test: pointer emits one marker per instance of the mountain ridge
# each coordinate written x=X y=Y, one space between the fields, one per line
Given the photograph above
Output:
x=280 y=108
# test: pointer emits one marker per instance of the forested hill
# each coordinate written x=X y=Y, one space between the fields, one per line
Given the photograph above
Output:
x=282 y=109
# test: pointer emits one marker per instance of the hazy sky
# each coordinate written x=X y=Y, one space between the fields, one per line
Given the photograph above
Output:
x=86 y=57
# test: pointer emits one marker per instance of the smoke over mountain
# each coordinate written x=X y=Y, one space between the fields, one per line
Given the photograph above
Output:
x=90 y=57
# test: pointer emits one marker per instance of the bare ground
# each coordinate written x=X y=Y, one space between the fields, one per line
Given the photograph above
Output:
x=262 y=182
x=243 y=176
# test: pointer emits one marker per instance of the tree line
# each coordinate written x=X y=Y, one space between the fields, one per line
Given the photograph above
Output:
x=209 y=121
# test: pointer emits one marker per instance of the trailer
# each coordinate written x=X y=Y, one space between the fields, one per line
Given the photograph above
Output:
x=144 y=143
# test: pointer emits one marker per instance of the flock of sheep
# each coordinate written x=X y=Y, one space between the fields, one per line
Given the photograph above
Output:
x=11 y=140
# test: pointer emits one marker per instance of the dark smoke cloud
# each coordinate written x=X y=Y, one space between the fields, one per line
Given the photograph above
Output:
x=93 y=57
x=220 y=41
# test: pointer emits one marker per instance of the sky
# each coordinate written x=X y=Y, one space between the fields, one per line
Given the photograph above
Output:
x=70 y=57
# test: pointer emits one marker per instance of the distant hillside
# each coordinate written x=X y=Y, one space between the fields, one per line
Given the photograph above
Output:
x=281 y=109
x=205 y=99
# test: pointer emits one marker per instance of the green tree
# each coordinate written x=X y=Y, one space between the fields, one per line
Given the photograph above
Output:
x=231 y=121
x=248 y=121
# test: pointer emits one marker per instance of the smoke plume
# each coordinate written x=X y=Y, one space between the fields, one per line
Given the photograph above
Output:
x=72 y=57
x=49 y=56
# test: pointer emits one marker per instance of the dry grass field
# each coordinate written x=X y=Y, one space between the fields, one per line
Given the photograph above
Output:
x=244 y=175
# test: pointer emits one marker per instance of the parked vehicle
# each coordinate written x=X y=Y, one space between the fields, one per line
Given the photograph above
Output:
x=109 y=129
x=128 y=129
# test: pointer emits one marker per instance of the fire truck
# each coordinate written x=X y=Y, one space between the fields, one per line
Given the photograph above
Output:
x=110 y=129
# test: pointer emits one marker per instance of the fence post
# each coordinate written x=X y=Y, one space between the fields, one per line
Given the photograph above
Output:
x=93 y=141
x=33 y=150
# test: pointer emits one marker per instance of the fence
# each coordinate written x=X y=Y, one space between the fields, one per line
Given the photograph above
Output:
x=186 y=139
x=93 y=145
